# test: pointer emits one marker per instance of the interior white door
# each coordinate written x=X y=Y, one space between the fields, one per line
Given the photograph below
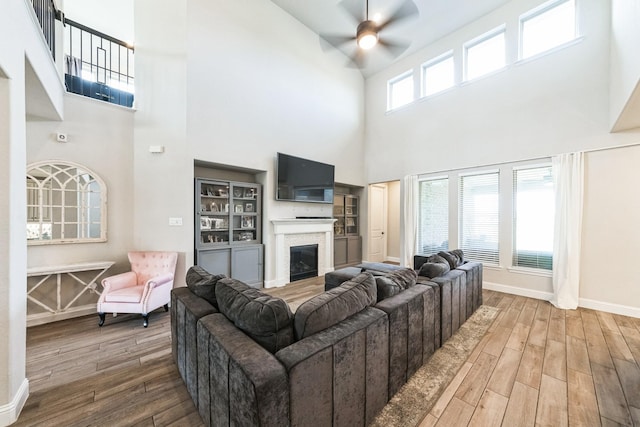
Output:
x=377 y=222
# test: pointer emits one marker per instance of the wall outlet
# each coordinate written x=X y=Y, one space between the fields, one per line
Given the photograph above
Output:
x=175 y=221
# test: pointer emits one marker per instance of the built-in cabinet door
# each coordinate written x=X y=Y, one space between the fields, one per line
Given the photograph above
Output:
x=354 y=250
x=339 y=252
x=215 y=261
x=246 y=265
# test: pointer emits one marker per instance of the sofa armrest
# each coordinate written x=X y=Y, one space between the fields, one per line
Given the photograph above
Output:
x=339 y=376
x=239 y=382
x=119 y=281
x=160 y=280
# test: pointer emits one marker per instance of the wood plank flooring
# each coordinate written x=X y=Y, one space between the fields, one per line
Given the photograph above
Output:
x=537 y=365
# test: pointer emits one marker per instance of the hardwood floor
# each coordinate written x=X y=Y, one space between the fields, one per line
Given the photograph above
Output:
x=538 y=365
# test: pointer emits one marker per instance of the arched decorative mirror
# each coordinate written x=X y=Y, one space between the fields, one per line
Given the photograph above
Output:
x=66 y=203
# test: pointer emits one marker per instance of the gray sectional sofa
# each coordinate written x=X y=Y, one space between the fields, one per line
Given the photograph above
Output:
x=247 y=360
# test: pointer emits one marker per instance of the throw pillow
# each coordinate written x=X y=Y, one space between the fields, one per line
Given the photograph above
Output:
x=460 y=256
x=266 y=319
x=405 y=277
x=450 y=257
x=203 y=284
x=387 y=287
x=435 y=266
x=335 y=305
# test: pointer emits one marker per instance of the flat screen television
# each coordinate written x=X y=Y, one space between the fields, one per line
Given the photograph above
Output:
x=302 y=180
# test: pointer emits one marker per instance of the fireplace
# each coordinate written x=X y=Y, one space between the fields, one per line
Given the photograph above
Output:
x=303 y=262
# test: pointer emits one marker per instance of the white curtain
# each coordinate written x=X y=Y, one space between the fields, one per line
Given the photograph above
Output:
x=568 y=181
x=410 y=203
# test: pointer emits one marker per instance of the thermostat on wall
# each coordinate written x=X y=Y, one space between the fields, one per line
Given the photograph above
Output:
x=61 y=137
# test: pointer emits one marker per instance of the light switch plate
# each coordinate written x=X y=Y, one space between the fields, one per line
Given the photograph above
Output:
x=175 y=221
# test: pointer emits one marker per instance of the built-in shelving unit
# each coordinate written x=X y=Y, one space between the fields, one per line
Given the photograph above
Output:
x=228 y=229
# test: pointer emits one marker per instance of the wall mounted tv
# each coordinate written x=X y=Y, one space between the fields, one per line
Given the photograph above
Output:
x=302 y=180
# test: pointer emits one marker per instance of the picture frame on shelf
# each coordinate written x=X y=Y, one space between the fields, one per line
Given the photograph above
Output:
x=248 y=207
x=237 y=192
x=249 y=193
x=247 y=222
x=349 y=211
x=238 y=209
x=209 y=191
x=205 y=223
x=245 y=236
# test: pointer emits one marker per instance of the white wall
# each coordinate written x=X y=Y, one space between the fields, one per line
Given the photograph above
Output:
x=100 y=137
x=552 y=104
x=112 y=17
x=241 y=82
x=625 y=65
x=17 y=23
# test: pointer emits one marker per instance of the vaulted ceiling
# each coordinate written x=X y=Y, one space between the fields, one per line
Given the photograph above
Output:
x=436 y=19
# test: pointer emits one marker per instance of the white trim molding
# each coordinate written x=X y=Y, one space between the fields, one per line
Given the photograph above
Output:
x=523 y=292
x=607 y=307
x=298 y=231
x=9 y=413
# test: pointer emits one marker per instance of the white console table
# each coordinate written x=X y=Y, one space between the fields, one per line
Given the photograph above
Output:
x=60 y=312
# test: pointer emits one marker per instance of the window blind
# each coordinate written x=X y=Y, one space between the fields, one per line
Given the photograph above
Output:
x=479 y=217
x=433 y=221
x=533 y=214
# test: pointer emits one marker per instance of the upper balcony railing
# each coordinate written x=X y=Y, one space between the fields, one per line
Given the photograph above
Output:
x=46 y=12
x=98 y=65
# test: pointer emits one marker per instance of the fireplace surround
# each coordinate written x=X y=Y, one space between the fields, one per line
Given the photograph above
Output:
x=298 y=232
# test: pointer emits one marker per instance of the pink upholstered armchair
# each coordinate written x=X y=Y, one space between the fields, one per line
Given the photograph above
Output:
x=143 y=289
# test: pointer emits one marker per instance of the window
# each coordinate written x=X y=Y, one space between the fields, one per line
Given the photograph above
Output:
x=546 y=27
x=533 y=213
x=485 y=54
x=479 y=217
x=400 y=90
x=433 y=217
x=438 y=75
x=66 y=203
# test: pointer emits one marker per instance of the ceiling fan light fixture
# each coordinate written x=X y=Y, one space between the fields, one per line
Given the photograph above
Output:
x=367 y=35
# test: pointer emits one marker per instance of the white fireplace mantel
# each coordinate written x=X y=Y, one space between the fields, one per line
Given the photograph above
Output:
x=295 y=231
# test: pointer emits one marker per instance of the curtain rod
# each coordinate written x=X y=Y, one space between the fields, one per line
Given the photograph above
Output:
x=532 y=159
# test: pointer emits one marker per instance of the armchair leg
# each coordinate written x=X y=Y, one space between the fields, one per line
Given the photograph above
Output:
x=166 y=307
x=145 y=318
x=101 y=316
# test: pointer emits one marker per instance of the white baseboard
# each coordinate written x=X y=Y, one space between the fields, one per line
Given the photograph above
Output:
x=9 y=412
x=523 y=292
x=393 y=259
x=607 y=307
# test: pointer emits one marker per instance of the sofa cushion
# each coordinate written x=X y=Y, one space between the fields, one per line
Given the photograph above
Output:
x=266 y=319
x=435 y=266
x=395 y=282
x=203 y=284
x=335 y=305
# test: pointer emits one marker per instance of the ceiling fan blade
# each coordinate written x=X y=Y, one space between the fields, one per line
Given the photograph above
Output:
x=406 y=10
x=336 y=41
x=355 y=9
x=394 y=48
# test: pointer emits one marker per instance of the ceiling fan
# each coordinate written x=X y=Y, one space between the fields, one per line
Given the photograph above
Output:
x=368 y=30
